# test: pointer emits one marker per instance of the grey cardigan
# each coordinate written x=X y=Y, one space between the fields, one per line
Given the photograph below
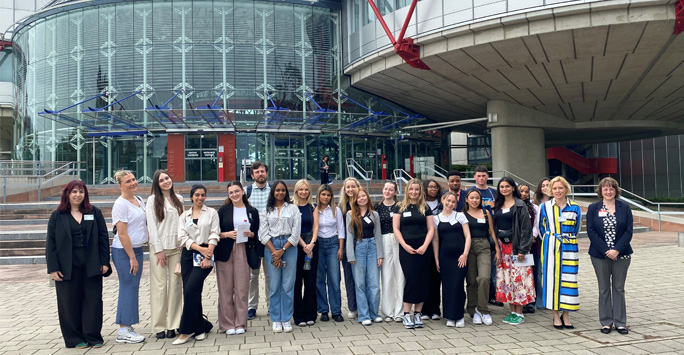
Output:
x=351 y=238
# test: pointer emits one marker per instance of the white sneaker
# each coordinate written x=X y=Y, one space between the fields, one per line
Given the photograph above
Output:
x=435 y=317
x=486 y=319
x=398 y=319
x=287 y=327
x=239 y=331
x=310 y=322
x=450 y=323
x=302 y=324
x=389 y=319
x=424 y=317
x=460 y=323
x=231 y=332
x=130 y=337
x=277 y=327
x=377 y=319
x=352 y=314
x=367 y=322
x=477 y=319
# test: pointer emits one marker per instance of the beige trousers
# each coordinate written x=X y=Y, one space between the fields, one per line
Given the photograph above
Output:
x=165 y=292
x=232 y=281
x=254 y=285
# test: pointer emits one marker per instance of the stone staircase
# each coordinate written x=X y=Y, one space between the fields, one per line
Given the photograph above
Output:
x=23 y=226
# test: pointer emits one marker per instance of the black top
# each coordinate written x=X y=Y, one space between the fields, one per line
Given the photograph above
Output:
x=504 y=221
x=413 y=224
x=76 y=232
x=385 y=213
x=450 y=234
x=596 y=229
x=368 y=228
x=307 y=218
x=194 y=220
x=479 y=228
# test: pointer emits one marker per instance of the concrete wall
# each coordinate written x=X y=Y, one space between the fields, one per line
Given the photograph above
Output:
x=25 y=189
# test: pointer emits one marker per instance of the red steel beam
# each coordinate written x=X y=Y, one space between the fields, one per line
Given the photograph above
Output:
x=404 y=47
x=679 y=17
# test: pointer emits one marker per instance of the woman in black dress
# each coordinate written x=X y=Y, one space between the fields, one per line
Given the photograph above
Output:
x=451 y=245
x=413 y=227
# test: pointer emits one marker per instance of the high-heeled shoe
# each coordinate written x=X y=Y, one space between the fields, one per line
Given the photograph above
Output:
x=559 y=327
x=566 y=326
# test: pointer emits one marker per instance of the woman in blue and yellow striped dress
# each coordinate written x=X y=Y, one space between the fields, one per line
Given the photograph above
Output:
x=559 y=223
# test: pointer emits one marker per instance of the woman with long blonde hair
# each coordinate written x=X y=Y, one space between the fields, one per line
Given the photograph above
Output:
x=305 y=310
x=414 y=228
x=349 y=189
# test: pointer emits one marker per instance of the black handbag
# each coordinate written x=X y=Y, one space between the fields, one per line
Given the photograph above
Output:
x=306 y=237
x=505 y=236
x=254 y=250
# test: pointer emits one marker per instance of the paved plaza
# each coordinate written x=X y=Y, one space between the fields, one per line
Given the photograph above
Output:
x=654 y=308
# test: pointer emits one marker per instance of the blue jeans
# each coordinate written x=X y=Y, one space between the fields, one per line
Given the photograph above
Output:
x=328 y=274
x=281 y=281
x=367 y=279
x=127 y=306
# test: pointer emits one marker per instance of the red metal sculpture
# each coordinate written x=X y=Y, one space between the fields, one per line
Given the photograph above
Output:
x=404 y=47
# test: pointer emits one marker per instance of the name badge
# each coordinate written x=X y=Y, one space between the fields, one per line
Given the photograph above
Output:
x=603 y=213
x=188 y=224
x=89 y=217
x=505 y=210
x=481 y=220
x=562 y=218
x=453 y=222
x=407 y=214
x=367 y=219
x=391 y=214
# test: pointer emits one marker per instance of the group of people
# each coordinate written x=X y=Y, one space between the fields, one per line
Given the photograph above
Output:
x=420 y=249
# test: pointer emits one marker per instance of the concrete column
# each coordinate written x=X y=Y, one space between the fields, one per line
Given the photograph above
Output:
x=519 y=150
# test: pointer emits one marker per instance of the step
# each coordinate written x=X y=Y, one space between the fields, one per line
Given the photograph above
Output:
x=34 y=251
x=37 y=259
x=635 y=229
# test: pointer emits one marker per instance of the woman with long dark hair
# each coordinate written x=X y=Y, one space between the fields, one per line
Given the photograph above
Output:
x=198 y=230
x=130 y=222
x=279 y=230
x=305 y=310
x=414 y=228
x=77 y=256
x=533 y=209
x=365 y=253
x=331 y=244
x=162 y=227
x=232 y=269
x=478 y=277
x=433 y=198
x=513 y=227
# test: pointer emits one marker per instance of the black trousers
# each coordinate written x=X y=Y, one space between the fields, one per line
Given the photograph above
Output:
x=193 y=282
x=324 y=178
x=305 y=305
x=79 y=305
x=432 y=302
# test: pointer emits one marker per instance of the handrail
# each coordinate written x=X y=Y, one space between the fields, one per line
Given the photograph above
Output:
x=436 y=169
x=630 y=201
x=366 y=175
x=493 y=176
x=399 y=177
x=14 y=168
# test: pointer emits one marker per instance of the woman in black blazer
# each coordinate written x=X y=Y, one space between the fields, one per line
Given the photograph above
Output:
x=609 y=227
x=232 y=268
x=77 y=255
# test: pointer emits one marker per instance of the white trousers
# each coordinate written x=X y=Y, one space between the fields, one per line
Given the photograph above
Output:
x=165 y=292
x=392 y=278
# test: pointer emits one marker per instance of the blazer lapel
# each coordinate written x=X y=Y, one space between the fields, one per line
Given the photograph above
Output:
x=64 y=217
x=88 y=227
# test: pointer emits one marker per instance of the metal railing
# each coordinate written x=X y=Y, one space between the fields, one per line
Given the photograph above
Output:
x=434 y=169
x=632 y=199
x=43 y=172
x=495 y=175
x=354 y=166
x=400 y=175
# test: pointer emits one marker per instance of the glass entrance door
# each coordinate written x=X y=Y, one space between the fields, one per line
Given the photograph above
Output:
x=201 y=157
x=289 y=158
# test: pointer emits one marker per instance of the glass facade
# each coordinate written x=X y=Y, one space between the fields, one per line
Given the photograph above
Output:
x=105 y=84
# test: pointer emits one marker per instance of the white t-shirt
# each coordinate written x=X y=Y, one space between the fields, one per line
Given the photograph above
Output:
x=454 y=216
x=240 y=216
x=134 y=217
x=432 y=204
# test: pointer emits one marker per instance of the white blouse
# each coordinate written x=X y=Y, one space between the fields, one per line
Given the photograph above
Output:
x=206 y=231
x=289 y=222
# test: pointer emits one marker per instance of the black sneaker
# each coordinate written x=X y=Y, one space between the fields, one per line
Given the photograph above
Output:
x=324 y=317
x=495 y=303
x=338 y=318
